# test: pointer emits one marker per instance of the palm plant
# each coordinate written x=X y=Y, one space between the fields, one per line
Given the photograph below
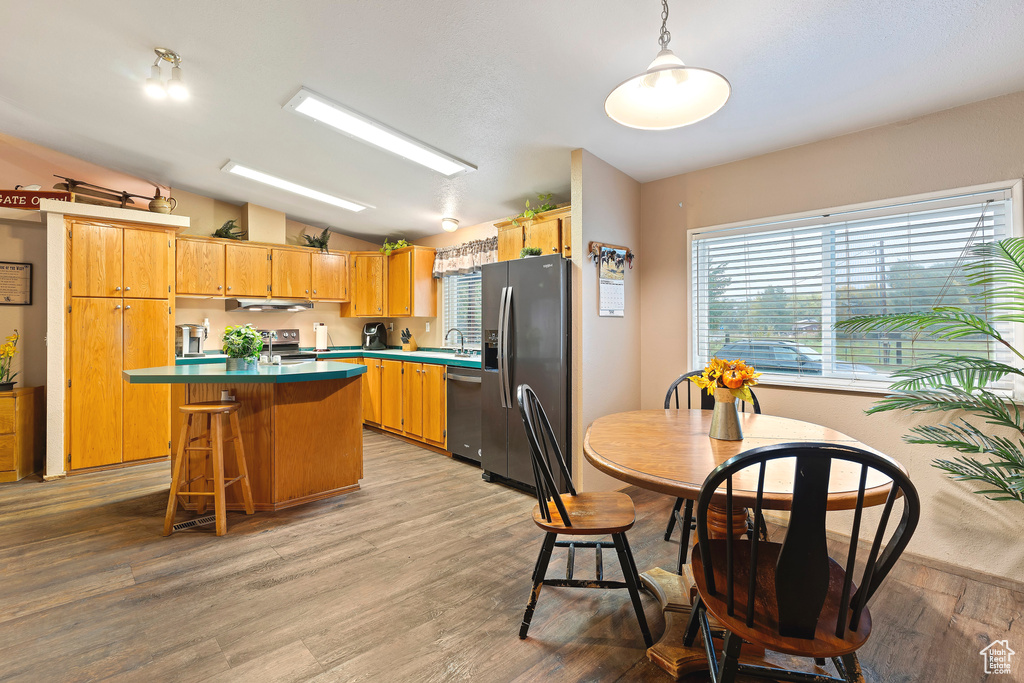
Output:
x=948 y=382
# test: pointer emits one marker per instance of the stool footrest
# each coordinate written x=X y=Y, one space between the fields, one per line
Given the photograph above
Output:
x=195 y=493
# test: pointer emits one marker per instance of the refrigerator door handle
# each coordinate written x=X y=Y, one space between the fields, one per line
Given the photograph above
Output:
x=501 y=346
x=508 y=351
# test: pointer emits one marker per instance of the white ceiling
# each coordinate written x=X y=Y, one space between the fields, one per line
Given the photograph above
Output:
x=511 y=87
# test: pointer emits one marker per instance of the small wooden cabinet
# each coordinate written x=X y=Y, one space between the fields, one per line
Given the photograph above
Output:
x=412 y=399
x=290 y=273
x=435 y=404
x=391 y=395
x=246 y=270
x=367 y=277
x=550 y=231
x=21 y=432
x=371 y=389
x=148 y=264
x=200 y=267
x=113 y=261
x=329 y=276
x=412 y=289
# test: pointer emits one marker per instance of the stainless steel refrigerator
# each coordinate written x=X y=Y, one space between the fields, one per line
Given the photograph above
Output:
x=526 y=329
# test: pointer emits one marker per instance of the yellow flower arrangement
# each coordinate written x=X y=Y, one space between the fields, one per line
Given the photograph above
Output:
x=734 y=375
x=7 y=351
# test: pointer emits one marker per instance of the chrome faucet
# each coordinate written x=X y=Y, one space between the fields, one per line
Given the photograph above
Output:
x=271 y=336
x=462 y=342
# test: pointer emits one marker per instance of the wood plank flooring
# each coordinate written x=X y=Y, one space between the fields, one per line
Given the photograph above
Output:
x=420 y=576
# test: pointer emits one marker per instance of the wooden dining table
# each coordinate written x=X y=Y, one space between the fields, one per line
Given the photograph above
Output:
x=669 y=451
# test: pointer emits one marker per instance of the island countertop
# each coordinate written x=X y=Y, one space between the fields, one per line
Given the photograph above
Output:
x=216 y=373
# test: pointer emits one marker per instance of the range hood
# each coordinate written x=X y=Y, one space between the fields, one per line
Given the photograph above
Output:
x=267 y=305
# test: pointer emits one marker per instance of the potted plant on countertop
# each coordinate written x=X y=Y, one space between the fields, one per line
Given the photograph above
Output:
x=962 y=384
x=7 y=351
x=242 y=344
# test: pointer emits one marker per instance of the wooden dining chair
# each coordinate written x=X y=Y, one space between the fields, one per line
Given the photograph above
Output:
x=791 y=597
x=574 y=514
x=685 y=519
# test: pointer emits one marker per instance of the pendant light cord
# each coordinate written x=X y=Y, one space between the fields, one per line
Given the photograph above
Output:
x=665 y=35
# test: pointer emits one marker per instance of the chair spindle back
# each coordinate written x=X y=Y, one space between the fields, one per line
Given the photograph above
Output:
x=802 y=569
x=542 y=446
x=706 y=402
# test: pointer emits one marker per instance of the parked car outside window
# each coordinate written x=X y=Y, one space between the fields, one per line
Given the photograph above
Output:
x=783 y=356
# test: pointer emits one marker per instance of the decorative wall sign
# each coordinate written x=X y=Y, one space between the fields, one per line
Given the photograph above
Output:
x=612 y=283
x=29 y=199
x=15 y=284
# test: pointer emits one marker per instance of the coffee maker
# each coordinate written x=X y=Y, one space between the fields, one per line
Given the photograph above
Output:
x=188 y=340
x=375 y=337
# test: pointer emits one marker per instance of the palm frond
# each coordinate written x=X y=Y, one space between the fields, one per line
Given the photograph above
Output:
x=944 y=369
x=970 y=469
x=999 y=270
x=941 y=322
x=947 y=399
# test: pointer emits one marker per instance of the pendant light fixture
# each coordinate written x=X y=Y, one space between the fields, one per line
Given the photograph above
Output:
x=669 y=94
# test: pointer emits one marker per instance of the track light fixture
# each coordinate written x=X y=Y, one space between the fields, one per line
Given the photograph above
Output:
x=155 y=86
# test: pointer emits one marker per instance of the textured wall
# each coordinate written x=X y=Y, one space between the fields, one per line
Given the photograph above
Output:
x=970 y=145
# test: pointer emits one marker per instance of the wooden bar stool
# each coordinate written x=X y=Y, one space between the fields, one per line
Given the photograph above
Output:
x=211 y=468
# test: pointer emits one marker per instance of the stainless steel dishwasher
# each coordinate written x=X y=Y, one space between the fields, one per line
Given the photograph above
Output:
x=464 y=386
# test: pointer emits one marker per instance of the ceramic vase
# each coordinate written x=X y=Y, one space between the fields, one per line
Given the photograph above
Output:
x=725 y=420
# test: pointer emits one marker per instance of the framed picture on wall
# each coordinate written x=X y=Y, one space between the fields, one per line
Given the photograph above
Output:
x=15 y=284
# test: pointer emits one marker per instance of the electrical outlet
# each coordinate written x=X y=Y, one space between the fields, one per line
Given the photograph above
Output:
x=391 y=327
x=428 y=327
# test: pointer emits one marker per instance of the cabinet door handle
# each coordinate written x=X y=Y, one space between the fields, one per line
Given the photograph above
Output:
x=407 y=308
x=220 y=286
x=314 y=291
x=229 y=288
x=117 y=307
x=307 y=291
x=127 y=308
x=117 y=289
x=127 y=289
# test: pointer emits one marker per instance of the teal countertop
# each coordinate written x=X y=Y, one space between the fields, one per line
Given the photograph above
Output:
x=214 y=373
x=435 y=357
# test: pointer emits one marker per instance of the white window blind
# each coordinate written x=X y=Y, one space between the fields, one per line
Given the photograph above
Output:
x=462 y=308
x=770 y=293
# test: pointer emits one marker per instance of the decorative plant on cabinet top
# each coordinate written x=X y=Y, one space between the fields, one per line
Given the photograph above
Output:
x=320 y=241
x=544 y=204
x=947 y=382
x=392 y=246
x=230 y=230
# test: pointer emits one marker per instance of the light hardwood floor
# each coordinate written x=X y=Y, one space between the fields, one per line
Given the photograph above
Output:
x=420 y=576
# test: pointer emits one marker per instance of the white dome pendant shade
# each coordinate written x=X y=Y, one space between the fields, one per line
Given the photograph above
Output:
x=669 y=94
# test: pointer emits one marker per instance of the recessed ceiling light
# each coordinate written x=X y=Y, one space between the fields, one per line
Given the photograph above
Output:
x=260 y=176
x=355 y=125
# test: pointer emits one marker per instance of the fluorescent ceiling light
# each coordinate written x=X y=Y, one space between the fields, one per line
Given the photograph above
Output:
x=260 y=176
x=355 y=125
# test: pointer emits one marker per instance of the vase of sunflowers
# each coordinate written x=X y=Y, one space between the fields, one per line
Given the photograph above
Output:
x=7 y=351
x=727 y=381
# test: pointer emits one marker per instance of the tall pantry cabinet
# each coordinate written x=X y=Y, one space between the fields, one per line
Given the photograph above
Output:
x=120 y=316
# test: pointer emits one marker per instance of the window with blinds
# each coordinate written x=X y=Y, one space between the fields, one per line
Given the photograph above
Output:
x=462 y=308
x=769 y=293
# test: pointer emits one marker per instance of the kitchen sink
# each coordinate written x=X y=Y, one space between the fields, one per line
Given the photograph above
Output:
x=289 y=362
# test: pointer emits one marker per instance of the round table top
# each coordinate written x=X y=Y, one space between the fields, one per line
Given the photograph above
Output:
x=669 y=451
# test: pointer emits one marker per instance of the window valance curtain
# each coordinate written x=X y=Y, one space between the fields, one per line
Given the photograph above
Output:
x=466 y=257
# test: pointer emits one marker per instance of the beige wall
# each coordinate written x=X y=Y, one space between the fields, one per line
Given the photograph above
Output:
x=970 y=145
x=25 y=242
x=606 y=351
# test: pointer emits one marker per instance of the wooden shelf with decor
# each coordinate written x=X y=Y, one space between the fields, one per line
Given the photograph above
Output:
x=22 y=418
x=210 y=267
x=550 y=231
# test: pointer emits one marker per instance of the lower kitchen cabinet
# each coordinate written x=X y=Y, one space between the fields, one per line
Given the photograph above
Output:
x=371 y=390
x=391 y=395
x=412 y=399
x=435 y=404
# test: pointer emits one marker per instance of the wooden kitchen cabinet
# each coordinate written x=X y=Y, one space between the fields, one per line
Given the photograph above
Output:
x=368 y=296
x=148 y=337
x=412 y=289
x=510 y=241
x=435 y=404
x=329 y=276
x=199 y=267
x=95 y=348
x=372 y=390
x=412 y=399
x=290 y=274
x=246 y=271
x=550 y=231
x=148 y=264
x=546 y=234
x=22 y=424
x=96 y=259
x=391 y=395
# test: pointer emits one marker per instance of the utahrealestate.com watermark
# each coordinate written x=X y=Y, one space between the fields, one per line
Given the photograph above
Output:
x=998 y=657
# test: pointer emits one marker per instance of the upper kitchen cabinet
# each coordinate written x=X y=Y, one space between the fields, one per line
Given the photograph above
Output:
x=247 y=270
x=367 y=275
x=200 y=267
x=412 y=289
x=290 y=273
x=329 y=276
x=550 y=231
x=115 y=261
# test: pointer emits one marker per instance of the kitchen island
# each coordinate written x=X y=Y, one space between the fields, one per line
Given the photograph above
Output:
x=301 y=425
